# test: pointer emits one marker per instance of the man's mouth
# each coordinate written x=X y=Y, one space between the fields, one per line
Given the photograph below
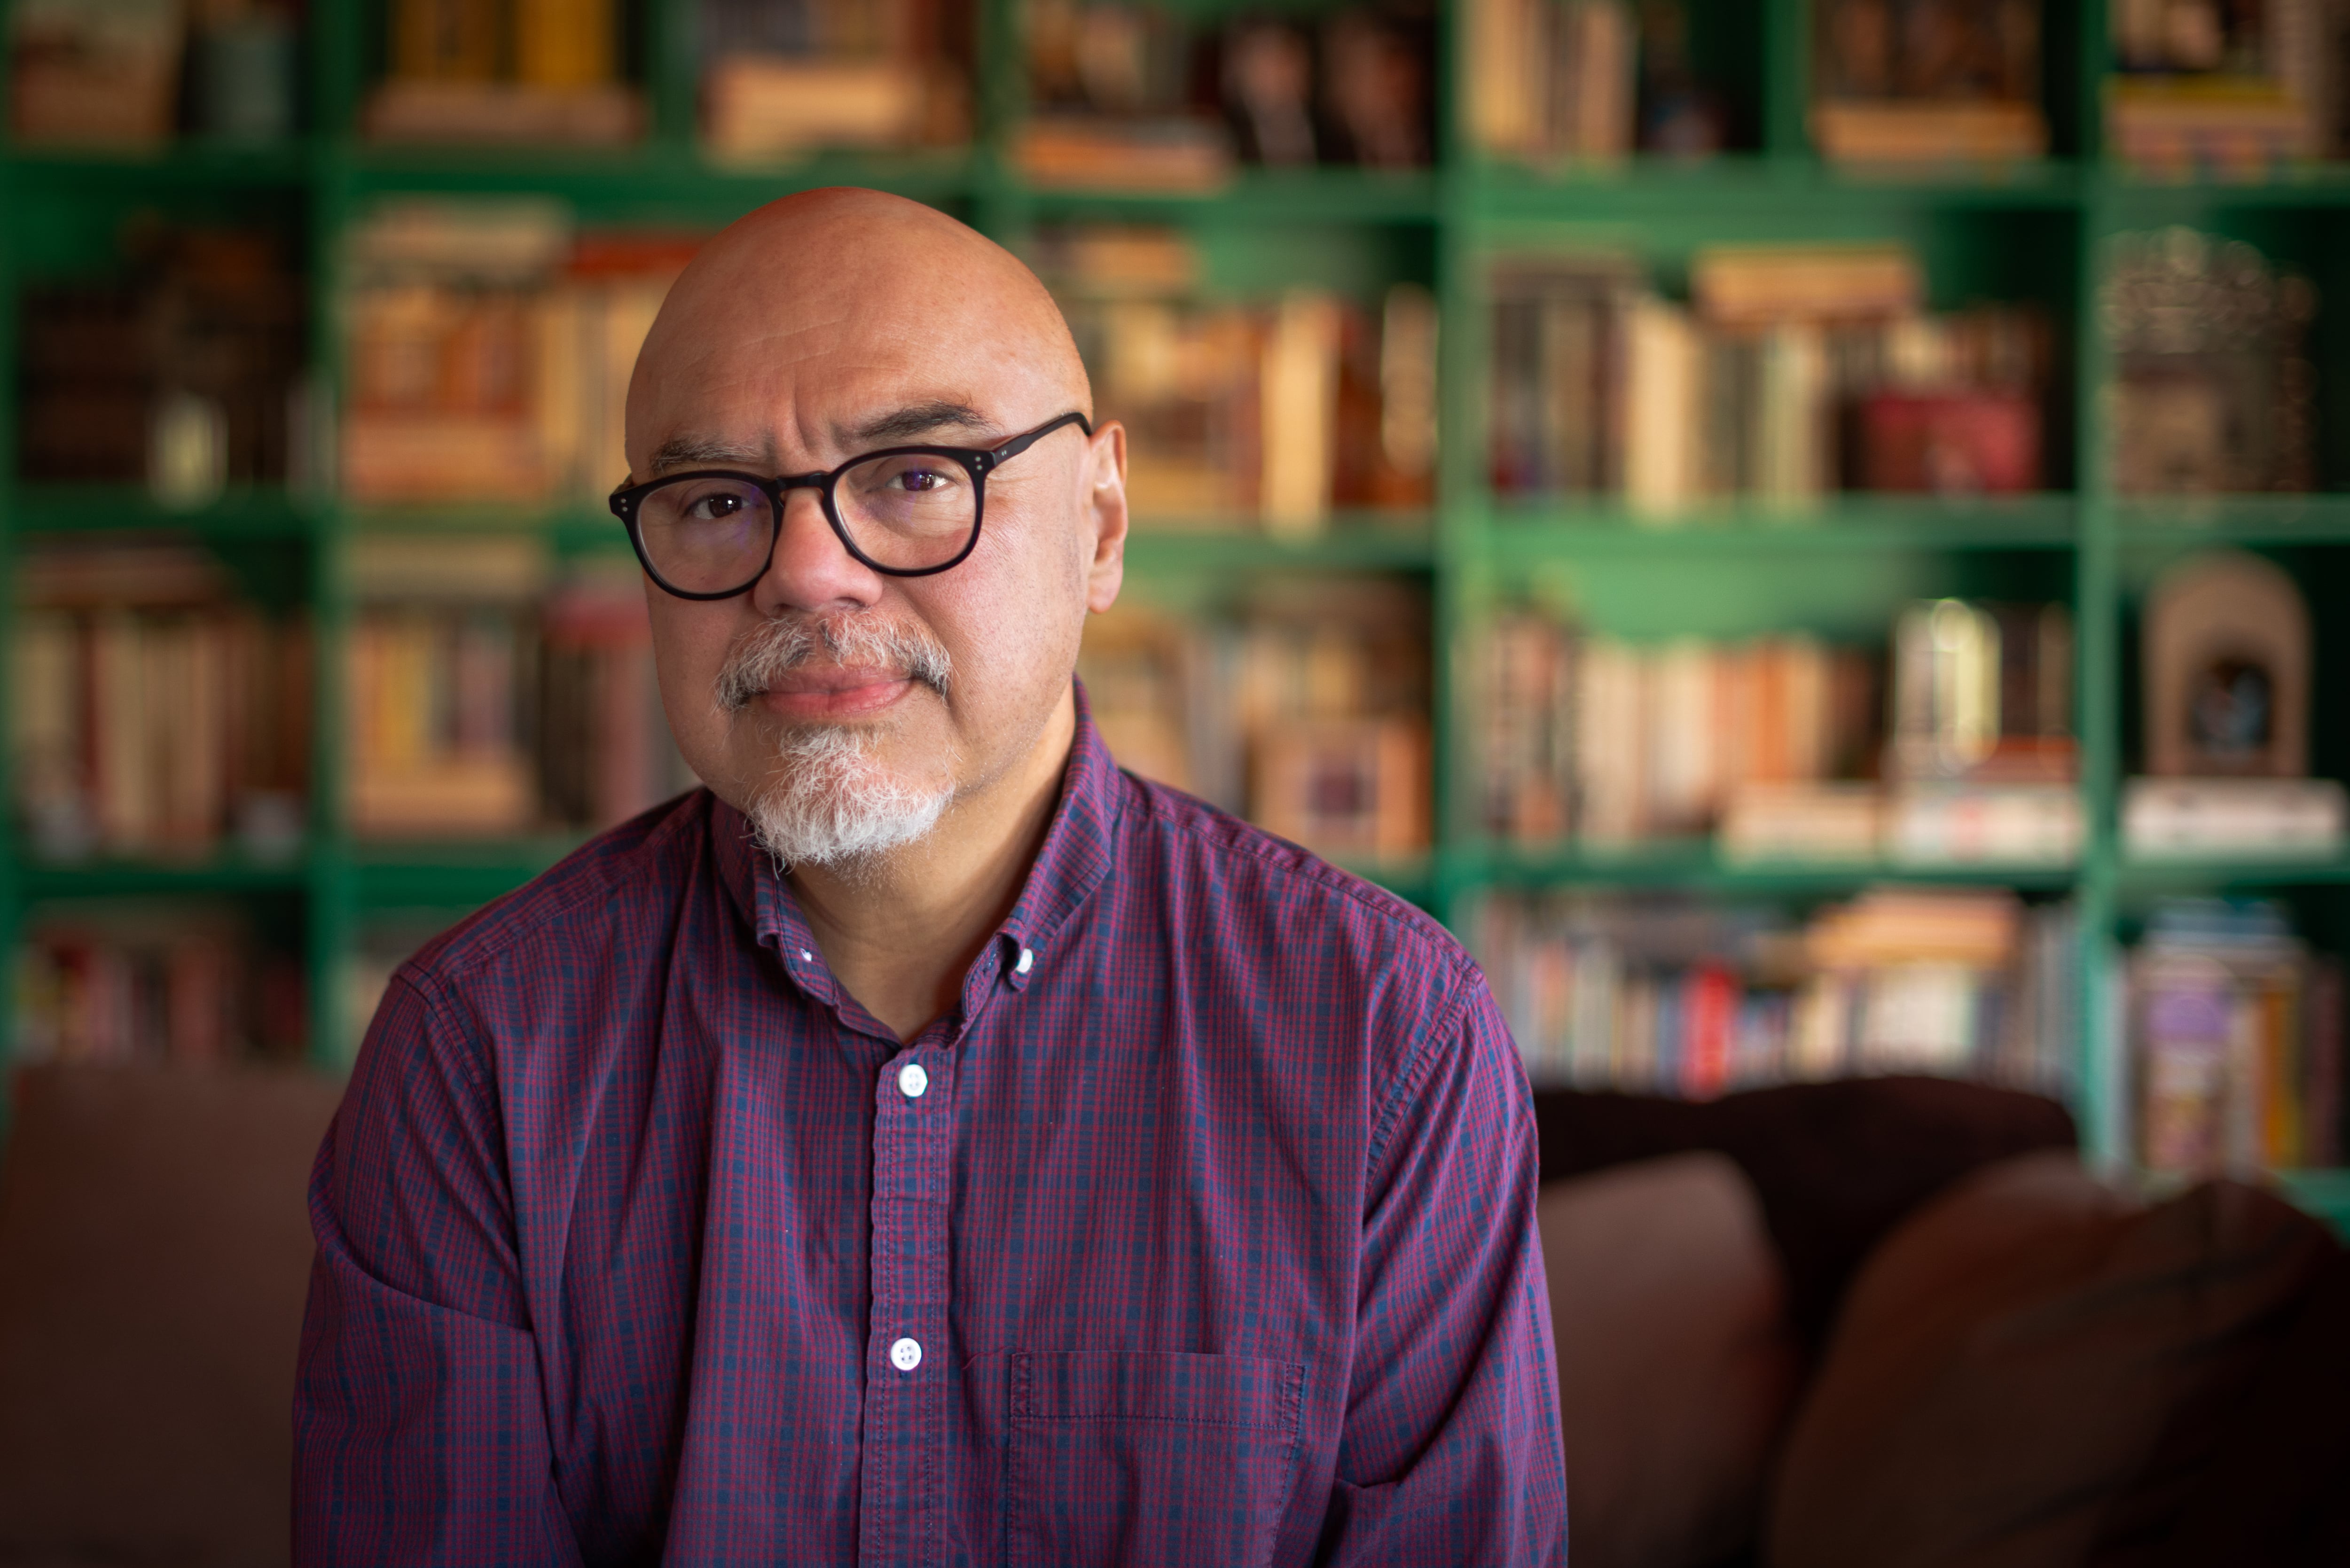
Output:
x=833 y=691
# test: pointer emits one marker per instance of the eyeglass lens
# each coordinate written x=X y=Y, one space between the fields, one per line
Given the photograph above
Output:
x=904 y=513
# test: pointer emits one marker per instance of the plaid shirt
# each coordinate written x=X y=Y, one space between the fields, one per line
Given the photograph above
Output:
x=1199 y=1233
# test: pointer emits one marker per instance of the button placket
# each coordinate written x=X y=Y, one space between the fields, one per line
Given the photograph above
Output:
x=907 y=1330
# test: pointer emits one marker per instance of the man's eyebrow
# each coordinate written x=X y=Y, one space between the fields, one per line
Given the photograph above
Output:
x=916 y=420
x=701 y=452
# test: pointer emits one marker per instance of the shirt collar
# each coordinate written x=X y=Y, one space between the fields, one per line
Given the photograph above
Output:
x=1077 y=853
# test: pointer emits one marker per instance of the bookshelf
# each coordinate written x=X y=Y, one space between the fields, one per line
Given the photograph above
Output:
x=2034 y=229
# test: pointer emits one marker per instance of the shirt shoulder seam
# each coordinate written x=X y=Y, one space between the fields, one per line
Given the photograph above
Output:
x=1408 y=1083
x=1314 y=871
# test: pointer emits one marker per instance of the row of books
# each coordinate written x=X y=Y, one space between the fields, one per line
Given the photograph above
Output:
x=187 y=982
x=1784 y=745
x=1271 y=412
x=1552 y=81
x=154 y=714
x=1680 y=996
x=181 y=374
x=2236 y=1033
x=1795 y=370
x=2226 y=88
x=132 y=74
x=484 y=698
x=2212 y=88
x=1138 y=97
x=491 y=347
x=1303 y=707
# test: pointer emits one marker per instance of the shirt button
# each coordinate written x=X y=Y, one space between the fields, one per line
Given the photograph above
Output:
x=905 y=1355
x=911 y=1082
x=806 y=957
x=1027 y=959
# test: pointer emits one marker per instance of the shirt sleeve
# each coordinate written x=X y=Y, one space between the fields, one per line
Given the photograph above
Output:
x=419 y=1432
x=1450 y=1453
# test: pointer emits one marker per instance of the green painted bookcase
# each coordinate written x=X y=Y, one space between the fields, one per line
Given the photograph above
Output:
x=2034 y=231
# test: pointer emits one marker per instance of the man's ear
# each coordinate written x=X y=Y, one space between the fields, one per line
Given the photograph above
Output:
x=1105 y=504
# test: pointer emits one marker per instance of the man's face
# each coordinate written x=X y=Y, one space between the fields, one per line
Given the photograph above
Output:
x=830 y=689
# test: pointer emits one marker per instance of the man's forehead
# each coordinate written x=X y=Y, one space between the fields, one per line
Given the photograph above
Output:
x=777 y=441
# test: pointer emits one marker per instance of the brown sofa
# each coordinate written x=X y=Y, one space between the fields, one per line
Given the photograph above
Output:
x=1880 y=1323
x=1893 y=1321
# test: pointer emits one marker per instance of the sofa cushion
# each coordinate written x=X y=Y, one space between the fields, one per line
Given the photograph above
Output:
x=1676 y=1369
x=154 y=1251
x=1836 y=1165
x=2006 y=1363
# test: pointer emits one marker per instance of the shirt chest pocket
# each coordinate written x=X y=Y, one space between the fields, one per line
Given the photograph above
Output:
x=1148 y=1459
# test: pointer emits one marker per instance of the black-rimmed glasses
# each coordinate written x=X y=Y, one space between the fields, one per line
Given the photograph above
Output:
x=906 y=511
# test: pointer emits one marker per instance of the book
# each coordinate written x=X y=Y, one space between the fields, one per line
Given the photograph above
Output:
x=152 y=715
x=95 y=73
x=186 y=981
x=1792 y=370
x=1669 y=994
x=2235 y=1031
x=1303 y=707
x=2223 y=91
x=490 y=352
x=1262 y=413
x=2286 y=819
x=1910 y=80
x=515 y=72
x=2213 y=388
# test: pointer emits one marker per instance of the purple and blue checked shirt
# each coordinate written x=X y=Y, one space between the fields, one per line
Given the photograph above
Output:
x=1200 y=1234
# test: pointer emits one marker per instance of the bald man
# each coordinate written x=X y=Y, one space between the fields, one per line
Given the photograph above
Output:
x=927 y=1144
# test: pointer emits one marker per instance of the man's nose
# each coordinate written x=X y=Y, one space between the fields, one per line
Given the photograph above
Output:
x=809 y=568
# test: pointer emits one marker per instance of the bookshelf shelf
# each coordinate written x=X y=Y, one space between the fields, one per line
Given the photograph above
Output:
x=2236 y=520
x=90 y=509
x=104 y=878
x=451 y=875
x=1528 y=531
x=2193 y=876
x=1840 y=569
x=646 y=174
x=1698 y=867
x=74 y=174
x=1741 y=186
x=1257 y=196
x=1364 y=542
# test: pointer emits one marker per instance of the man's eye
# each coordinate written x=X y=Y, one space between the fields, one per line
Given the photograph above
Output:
x=714 y=508
x=921 y=481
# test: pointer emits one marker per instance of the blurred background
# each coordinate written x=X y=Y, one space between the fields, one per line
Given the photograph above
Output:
x=1812 y=532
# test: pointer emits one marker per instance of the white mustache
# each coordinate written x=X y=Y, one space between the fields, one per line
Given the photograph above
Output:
x=774 y=648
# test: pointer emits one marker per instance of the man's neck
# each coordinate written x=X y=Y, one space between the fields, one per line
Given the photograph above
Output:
x=901 y=931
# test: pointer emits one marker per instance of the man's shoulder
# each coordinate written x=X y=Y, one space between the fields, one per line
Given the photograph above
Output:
x=574 y=905
x=1261 y=877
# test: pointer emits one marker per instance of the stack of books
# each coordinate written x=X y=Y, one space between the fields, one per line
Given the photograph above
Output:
x=487 y=697
x=1139 y=99
x=1793 y=372
x=539 y=72
x=1911 y=81
x=183 y=376
x=491 y=349
x=129 y=75
x=1268 y=414
x=786 y=78
x=2214 y=391
x=185 y=982
x=153 y=713
x=2228 y=91
x=2236 y=1032
x=1555 y=82
x=1669 y=994
x=1783 y=747
x=1303 y=707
